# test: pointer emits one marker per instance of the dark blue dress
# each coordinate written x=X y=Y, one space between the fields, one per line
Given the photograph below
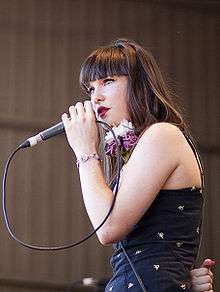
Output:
x=163 y=245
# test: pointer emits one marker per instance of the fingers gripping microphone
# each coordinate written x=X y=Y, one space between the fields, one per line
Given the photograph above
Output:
x=44 y=135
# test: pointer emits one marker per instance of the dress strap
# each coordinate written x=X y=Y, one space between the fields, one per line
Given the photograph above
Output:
x=199 y=161
x=198 y=158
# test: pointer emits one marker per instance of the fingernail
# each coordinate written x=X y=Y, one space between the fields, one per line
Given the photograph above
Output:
x=209 y=263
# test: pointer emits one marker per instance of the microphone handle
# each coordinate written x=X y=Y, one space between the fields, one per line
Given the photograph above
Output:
x=44 y=135
x=52 y=131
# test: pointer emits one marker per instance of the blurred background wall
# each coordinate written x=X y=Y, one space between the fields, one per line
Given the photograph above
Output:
x=42 y=44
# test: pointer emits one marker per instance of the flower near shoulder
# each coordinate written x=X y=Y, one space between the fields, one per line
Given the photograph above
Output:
x=125 y=136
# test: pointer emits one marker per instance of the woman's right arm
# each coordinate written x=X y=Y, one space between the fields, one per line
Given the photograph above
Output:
x=202 y=278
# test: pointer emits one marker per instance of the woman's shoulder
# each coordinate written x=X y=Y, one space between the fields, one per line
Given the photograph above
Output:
x=160 y=143
x=162 y=132
x=163 y=126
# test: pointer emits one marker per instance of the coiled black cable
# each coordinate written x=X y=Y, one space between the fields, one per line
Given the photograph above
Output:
x=65 y=246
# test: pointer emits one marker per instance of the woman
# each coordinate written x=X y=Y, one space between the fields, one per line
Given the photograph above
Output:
x=155 y=222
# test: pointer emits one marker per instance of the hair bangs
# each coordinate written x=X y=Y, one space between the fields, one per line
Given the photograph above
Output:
x=104 y=62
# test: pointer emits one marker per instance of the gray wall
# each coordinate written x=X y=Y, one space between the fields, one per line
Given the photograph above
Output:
x=42 y=44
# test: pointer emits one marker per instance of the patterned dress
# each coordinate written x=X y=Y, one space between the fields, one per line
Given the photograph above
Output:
x=163 y=246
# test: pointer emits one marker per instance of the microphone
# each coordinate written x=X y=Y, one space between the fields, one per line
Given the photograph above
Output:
x=44 y=135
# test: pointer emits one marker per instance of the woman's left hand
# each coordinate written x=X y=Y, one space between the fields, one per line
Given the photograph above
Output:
x=81 y=129
x=202 y=278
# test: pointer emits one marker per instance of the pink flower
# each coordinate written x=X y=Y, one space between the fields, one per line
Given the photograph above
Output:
x=129 y=140
x=126 y=138
x=111 y=148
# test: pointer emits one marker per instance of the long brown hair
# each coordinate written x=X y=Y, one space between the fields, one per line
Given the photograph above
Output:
x=149 y=99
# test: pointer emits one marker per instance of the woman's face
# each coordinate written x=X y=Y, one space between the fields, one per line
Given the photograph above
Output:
x=109 y=98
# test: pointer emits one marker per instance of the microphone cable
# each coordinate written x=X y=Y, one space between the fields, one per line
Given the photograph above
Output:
x=70 y=245
x=65 y=246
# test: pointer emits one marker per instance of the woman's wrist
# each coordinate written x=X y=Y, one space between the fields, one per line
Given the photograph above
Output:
x=84 y=157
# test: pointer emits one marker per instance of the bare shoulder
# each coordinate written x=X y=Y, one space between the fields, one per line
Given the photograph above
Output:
x=164 y=133
x=164 y=125
x=160 y=144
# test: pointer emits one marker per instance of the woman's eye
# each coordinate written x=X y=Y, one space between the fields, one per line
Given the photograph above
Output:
x=108 y=80
x=90 y=90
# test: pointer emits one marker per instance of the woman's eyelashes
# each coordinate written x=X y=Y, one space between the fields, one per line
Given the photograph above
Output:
x=108 y=80
x=105 y=81
x=90 y=90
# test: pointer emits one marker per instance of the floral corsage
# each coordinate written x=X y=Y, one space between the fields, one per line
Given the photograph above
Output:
x=126 y=139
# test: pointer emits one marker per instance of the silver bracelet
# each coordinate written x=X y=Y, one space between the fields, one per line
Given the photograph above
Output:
x=85 y=157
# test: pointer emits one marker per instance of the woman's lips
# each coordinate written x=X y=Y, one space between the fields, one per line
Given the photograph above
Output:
x=102 y=110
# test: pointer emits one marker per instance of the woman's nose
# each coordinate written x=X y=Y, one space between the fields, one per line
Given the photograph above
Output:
x=96 y=98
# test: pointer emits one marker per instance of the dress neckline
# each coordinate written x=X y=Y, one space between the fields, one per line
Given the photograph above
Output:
x=186 y=189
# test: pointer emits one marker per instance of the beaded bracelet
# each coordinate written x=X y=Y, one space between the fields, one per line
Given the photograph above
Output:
x=85 y=157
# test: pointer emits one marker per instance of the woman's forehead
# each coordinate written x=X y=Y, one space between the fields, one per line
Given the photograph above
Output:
x=100 y=80
x=103 y=78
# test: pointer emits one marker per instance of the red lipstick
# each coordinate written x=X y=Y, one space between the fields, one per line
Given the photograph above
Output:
x=102 y=110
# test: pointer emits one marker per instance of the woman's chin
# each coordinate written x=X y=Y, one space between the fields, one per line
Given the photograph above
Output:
x=112 y=122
